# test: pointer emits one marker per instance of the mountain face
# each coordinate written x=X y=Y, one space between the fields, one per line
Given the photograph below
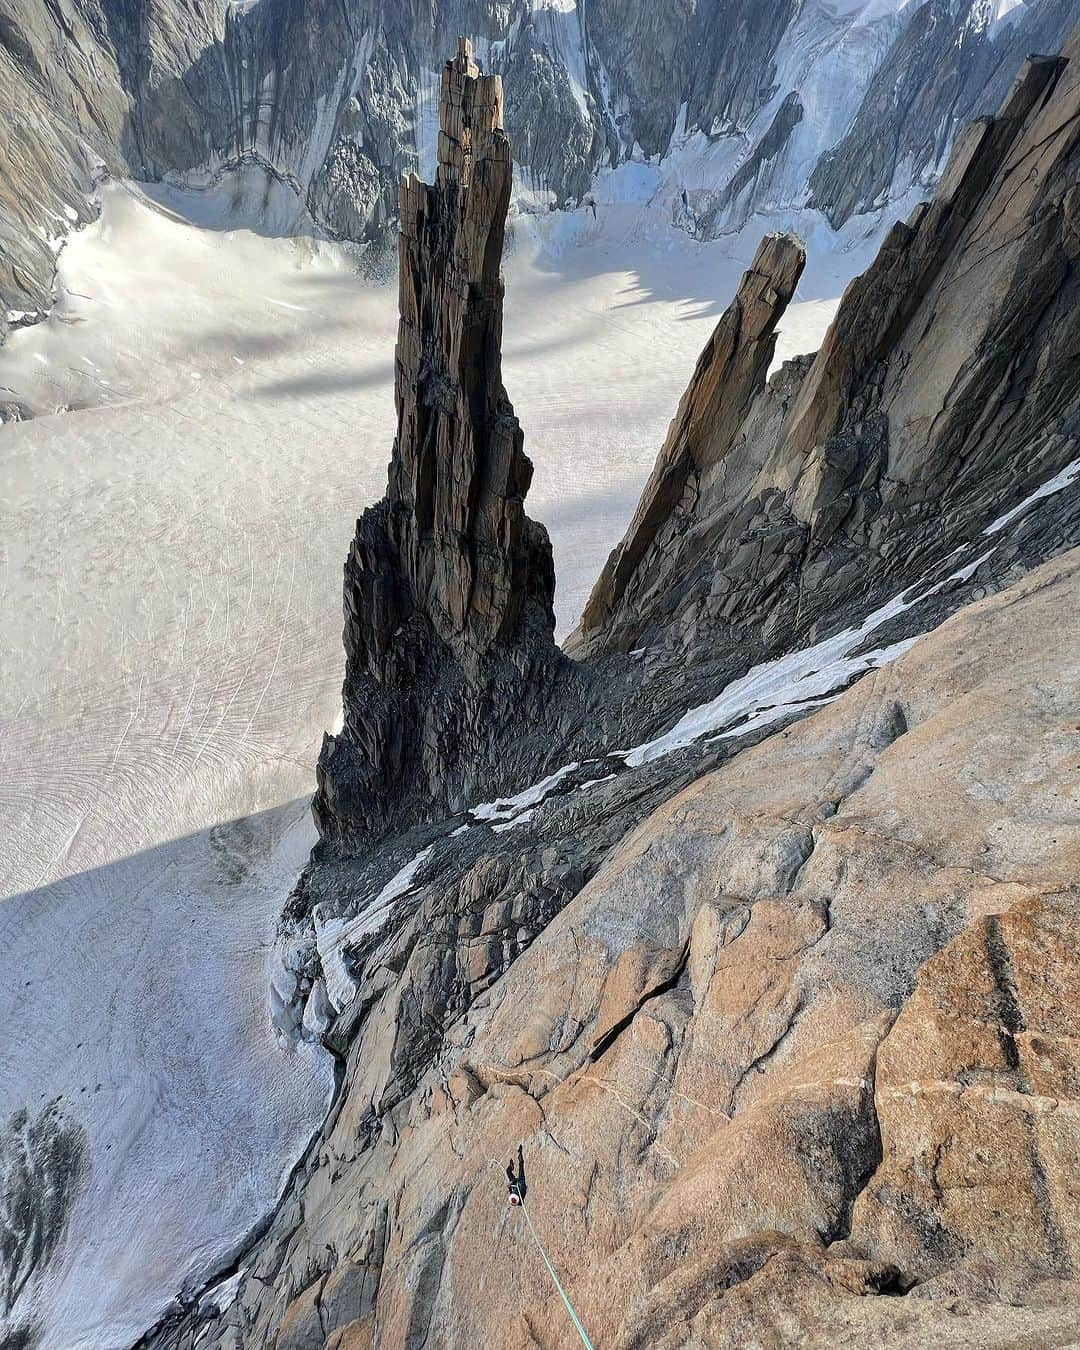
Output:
x=756 y=930
x=755 y=108
x=792 y=1068
x=751 y=911
x=898 y=436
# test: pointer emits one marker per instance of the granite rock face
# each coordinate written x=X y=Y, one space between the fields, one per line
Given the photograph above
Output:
x=459 y=473
x=944 y=391
x=449 y=586
x=730 y=373
x=943 y=70
x=319 y=108
x=985 y=1162
x=793 y=1067
x=69 y=76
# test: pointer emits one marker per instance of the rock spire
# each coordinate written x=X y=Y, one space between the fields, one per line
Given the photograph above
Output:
x=459 y=474
x=448 y=584
x=730 y=373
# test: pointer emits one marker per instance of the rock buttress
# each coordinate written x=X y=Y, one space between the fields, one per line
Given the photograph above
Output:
x=945 y=392
x=448 y=584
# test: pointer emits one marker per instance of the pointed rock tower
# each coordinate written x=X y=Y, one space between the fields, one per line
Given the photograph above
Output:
x=730 y=373
x=448 y=584
x=459 y=475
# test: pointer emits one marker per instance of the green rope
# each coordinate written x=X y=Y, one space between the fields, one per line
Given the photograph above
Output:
x=562 y=1292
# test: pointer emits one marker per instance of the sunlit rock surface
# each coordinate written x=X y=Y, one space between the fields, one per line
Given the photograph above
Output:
x=750 y=1111
x=436 y=964
x=944 y=382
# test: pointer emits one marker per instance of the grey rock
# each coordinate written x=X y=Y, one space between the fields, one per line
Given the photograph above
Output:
x=449 y=586
x=943 y=394
x=730 y=373
x=42 y=1162
x=791 y=529
x=945 y=68
x=523 y=964
x=332 y=101
x=732 y=206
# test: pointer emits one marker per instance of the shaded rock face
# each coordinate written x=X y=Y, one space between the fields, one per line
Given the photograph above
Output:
x=754 y=181
x=449 y=586
x=459 y=473
x=94 y=88
x=720 y=60
x=322 y=106
x=943 y=66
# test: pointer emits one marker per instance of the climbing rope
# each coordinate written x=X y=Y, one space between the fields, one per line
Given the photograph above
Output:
x=551 y=1271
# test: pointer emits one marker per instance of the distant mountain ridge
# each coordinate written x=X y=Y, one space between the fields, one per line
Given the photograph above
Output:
x=756 y=108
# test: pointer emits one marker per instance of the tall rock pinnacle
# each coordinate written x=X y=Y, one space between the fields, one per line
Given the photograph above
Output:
x=730 y=374
x=459 y=474
x=448 y=584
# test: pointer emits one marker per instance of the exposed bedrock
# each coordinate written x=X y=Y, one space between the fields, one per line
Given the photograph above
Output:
x=946 y=388
x=779 y=513
x=794 y=1067
x=730 y=373
x=449 y=586
x=944 y=69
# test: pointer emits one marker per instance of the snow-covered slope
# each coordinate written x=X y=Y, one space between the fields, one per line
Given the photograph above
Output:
x=134 y=995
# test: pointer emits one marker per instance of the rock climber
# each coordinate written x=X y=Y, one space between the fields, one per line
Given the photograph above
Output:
x=515 y=1182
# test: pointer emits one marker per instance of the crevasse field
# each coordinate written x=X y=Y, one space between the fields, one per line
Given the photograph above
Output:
x=214 y=406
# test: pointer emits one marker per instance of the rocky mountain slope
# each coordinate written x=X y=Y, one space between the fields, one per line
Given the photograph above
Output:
x=946 y=385
x=796 y=1066
x=783 y=1006
x=314 y=111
